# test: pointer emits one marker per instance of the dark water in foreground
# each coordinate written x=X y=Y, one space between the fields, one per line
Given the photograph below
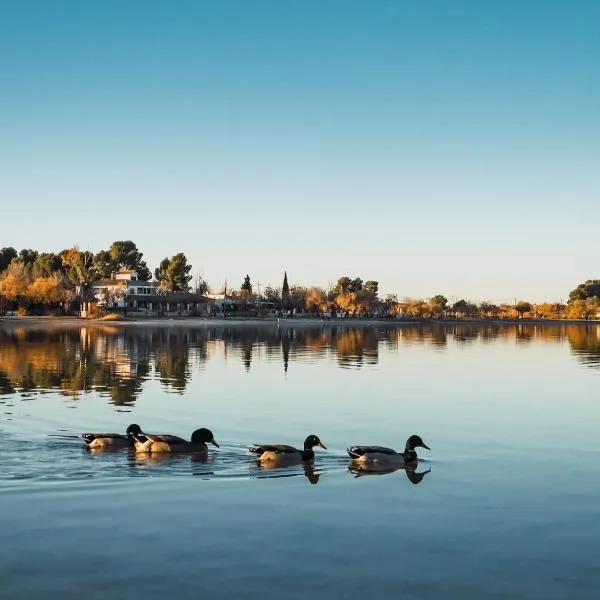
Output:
x=507 y=504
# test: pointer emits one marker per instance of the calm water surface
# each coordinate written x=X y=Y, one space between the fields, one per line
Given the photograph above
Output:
x=506 y=505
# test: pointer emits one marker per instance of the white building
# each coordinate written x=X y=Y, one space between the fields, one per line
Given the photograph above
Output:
x=118 y=291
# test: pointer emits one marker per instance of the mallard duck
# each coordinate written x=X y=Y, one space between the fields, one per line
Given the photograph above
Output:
x=366 y=454
x=151 y=442
x=97 y=441
x=283 y=453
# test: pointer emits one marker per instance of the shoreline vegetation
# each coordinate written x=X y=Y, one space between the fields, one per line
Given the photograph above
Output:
x=301 y=321
x=117 y=286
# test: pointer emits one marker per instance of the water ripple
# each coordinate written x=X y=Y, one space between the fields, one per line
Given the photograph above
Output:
x=63 y=457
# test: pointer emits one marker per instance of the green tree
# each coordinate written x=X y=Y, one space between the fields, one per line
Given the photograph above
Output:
x=589 y=289
x=27 y=256
x=80 y=271
x=273 y=294
x=173 y=274
x=342 y=286
x=459 y=306
x=124 y=255
x=356 y=285
x=247 y=285
x=371 y=289
x=438 y=305
x=464 y=309
x=6 y=256
x=46 y=264
x=285 y=290
x=103 y=265
x=346 y=285
x=522 y=307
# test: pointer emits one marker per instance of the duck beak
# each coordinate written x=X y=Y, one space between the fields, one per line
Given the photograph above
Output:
x=426 y=446
x=214 y=442
x=322 y=445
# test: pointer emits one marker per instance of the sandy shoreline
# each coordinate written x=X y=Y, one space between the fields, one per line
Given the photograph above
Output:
x=274 y=322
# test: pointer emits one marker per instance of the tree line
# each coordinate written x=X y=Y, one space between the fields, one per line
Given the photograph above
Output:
x=357 y=298
x=48 y=282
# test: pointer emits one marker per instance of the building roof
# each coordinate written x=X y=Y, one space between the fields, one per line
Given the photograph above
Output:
x=109 y=282
x=171 y=297
x=132 y=282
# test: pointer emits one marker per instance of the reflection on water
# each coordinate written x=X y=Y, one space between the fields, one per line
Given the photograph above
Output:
x=504 y=506
x=116 y=361
x=265 y=469
x=410 y=470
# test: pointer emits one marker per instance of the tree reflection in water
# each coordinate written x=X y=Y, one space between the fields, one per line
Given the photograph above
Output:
x=116 y=361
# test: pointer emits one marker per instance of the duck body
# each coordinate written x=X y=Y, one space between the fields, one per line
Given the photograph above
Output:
x=105 y=441
x=387 y=456
x=282 y=453
x=376 y=454
x=166 y=443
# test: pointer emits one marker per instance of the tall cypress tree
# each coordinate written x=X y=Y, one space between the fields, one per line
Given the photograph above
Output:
x=285 y=290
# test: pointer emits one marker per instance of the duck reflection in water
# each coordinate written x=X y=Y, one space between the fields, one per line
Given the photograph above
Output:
x=103 y=450
x=147 y=459
x=278 y=470
x=378 y=469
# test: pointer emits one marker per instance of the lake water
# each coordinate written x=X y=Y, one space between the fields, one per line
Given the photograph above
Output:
x=506 y=504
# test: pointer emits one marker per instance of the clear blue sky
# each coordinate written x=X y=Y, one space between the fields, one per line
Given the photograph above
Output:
x=435 y=146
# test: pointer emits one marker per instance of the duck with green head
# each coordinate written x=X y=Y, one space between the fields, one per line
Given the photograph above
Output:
x=104 y=441
x=381 y=454
x=151 y=442
x=287 y=454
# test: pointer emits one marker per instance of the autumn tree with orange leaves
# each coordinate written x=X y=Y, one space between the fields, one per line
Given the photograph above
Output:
x=46 y=290
x=316 y=300
x=14 y=283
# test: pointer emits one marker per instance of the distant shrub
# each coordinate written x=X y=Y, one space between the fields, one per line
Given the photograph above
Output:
x=111 y=317
x=95 y=312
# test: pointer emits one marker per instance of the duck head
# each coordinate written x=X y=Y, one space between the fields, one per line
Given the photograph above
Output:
x=203 y=436
x=414 y=441
x=313 y=440
x=133 y=430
